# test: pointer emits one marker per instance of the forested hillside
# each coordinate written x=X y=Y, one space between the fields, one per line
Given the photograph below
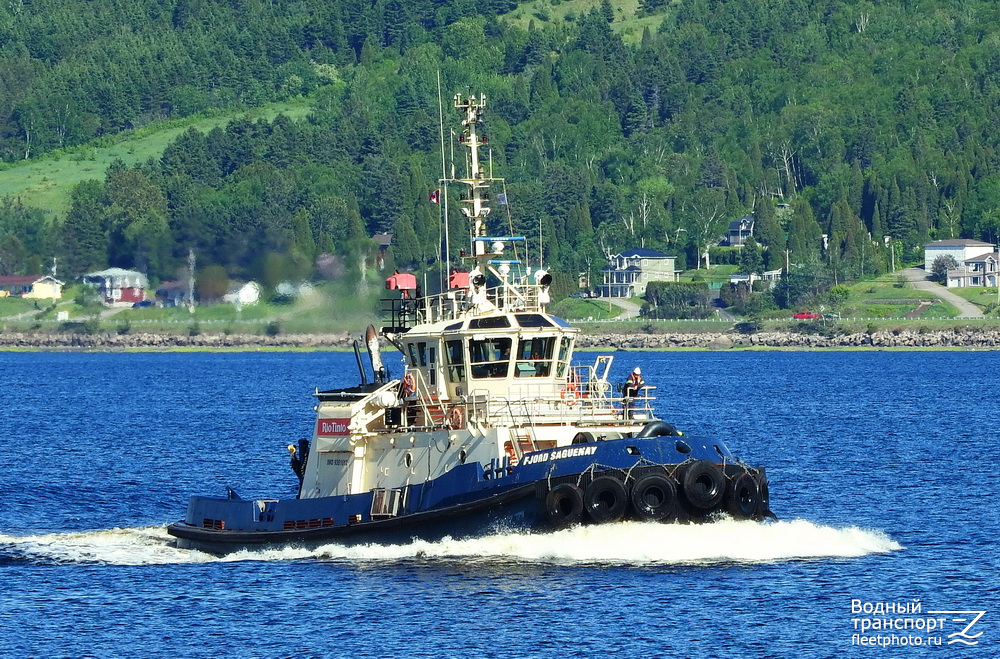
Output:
x=873 y=122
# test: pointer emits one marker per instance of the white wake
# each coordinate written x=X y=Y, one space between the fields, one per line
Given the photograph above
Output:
x=627 y=543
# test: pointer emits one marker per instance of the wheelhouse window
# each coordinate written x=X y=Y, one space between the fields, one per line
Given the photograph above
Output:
x=489 y=358
x=456 y=361
x=565 y=346
x=418 y=353
x=534 y=357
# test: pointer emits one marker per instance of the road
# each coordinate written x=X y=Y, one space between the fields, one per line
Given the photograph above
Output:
x=918 y=278
x=629 y=309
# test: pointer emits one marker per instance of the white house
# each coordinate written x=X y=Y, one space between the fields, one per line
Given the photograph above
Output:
x=979 y=271
x=958 y=248
x=771 y=276
x=627 y=274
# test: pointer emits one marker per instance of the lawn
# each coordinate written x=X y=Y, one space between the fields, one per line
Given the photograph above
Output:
x=884 y=298
x=47 y=182
x=584 y=308
x=628 y=21
x=15 y=305
x=985 y=298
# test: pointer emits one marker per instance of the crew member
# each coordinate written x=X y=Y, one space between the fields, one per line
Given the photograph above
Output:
x=631 y=390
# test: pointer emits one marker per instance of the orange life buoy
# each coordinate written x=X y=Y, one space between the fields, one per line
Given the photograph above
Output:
x=409 y=385
x=511 y=454
x=456 y=417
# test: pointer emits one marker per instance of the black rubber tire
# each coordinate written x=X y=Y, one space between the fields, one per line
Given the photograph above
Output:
x=704 y=484
x=564 y=505
x=654 y=497
x=657 y=429
x=743 y=497
x=765 y=498
x=605 y=499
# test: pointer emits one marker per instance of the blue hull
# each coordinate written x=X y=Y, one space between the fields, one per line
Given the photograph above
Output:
x=547 y=489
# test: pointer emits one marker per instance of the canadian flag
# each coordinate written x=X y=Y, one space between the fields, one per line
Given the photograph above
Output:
x=435 y=196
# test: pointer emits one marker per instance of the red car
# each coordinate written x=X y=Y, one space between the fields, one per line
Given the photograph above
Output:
x=806 y=315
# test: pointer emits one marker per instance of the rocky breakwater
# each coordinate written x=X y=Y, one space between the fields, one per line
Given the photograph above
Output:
x=967 y=337
x=963 y=337
x=147 y=341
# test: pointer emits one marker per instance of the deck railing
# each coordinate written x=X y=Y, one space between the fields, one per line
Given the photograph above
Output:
x=407 y=311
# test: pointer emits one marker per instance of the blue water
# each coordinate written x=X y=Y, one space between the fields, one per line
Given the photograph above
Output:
x=883 y=470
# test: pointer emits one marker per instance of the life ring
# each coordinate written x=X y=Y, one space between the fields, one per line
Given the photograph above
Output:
x=743 y=496
x=409 y=385
x=605 y=499
x=654 y=497
x=570 y=393
x=511 y=453
x=564 y=505
x=456 y=418
x=704 y=484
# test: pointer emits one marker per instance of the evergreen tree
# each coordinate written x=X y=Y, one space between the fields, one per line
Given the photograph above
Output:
x=84 y=232
x=769 y=234
x=804 y=234
x=751 y=261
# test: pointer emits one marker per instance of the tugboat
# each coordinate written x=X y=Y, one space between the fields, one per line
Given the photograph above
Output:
x=491 y=427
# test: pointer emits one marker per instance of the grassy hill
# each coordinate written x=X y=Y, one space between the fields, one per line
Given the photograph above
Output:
x=47 y=182
x=629 y=22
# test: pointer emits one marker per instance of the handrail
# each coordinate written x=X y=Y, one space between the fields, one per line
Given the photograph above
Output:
x=405 y=312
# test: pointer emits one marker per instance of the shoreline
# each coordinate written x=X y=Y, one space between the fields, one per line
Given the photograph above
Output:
x=958 y=338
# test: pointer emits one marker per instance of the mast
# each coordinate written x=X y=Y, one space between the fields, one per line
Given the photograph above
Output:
x=488 y=251
x=444 y=192
x=474 y=206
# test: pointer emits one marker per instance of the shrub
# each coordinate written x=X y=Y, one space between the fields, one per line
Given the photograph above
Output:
x=839 y=293
x=677 y=300
x=941 y=266
x=751 y=326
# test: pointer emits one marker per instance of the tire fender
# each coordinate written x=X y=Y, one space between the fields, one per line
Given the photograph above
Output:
x=704 y=484
x=654 y=497
x=605 y=499
x=743 y=496
x=564 y=505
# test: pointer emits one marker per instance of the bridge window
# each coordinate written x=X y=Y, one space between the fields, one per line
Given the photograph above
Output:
x=565 y=348
x=489 y=358
x=418 y=353
x=489 y=322
x=534 y=357
x=532 y=320
x=456 y=361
